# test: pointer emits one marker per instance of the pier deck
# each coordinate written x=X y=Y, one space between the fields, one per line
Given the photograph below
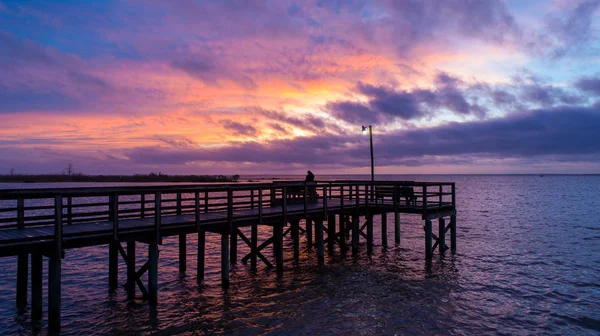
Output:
x=45 y=222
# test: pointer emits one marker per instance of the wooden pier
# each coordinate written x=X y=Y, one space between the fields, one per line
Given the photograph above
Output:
x=45 y=222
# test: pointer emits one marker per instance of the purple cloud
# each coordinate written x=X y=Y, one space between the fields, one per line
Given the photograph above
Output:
x=589 y=85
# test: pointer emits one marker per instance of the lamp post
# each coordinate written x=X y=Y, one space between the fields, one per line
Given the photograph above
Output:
x=364 y=130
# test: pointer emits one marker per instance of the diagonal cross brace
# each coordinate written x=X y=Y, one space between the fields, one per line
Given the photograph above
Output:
x=258 y=249
x=138 y=274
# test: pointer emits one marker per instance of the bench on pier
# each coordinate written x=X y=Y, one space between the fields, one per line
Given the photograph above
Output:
x=295 y=194
x=408 y=193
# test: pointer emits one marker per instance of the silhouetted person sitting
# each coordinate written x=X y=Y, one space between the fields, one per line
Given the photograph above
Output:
x=312 y=190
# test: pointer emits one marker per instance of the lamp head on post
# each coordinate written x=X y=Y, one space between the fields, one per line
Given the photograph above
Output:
x=364 y=129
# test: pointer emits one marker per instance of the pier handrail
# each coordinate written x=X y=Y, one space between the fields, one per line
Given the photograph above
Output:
x=108 y=203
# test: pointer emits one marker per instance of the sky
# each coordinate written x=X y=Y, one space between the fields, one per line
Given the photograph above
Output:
x=259 y=87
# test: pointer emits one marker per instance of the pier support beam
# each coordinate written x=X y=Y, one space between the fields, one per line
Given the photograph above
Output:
x=453 y=233
x=309 y=233
x=113 y=265
x=319 y=241
x=370 y=234
x=384 y=230
x=22 y=280
x=355 y=233
x=36 y=286
x=131 y=276
x=153 y=273
x=225 y=260
x=233 y=237
x=330 y=233
x=278 y=246
x=182 y=253
x=342 y=221
x=201 y=253
x=428 y=239
x=397 y=227
x=296 y=238
x=442 y=235
x=54 y=293
x=253 y=245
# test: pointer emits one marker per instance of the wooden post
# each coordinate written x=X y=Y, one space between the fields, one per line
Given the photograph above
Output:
x=355 y=233
x=384 y=230
x=428 y=239
x=182 y=253
x=153 y=273
x=330 y=232
x=309 y=233
x=397 y=227
x=319 y=241
x=453 y=233
x=278 y=246
x=131 y=270
x=54 y=292
x=201 y=256
x=54 y=269
x=296 y=238
x=22 y=260
x=225 y=259
x=178 y=203
x=69 y=210
x=342 y=221
x=143 y=205
x=36 y=285
x=369 y=233
x=113 y=265
x=232 y=228
x=442 y=235
x=157 y=216
x=22 y=280
x=254 y=232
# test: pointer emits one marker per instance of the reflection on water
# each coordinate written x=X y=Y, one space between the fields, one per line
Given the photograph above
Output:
x=527 y=263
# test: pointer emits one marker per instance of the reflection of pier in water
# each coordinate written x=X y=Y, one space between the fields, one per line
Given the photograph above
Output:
x=45 y=222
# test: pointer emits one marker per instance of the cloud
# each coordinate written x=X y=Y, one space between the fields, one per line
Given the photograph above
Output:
x=238 y=128
x=575 y=29
x=589 y=85
x=566 y=134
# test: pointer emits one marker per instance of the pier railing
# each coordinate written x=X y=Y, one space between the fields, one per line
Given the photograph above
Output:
x=64 y=206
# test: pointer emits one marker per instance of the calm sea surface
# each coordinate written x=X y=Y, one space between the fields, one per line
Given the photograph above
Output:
x=528 y=262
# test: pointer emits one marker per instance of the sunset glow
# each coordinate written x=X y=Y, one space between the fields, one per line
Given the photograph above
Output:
x=211 y=87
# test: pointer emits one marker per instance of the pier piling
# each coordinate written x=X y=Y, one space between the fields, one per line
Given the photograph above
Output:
x=397 y=227
x=201 y=256
x=319 y=241
x=131 y=276
x=22 y=280
x=428 y=239
x=153 y=273
x=384 y=230
x=54 y=292
x=442 y=235
x=225 y=260
x=370 y=234
x=182 y=253
x=36 y=285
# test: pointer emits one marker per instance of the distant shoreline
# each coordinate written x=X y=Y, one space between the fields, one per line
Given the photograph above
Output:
x=116 y=178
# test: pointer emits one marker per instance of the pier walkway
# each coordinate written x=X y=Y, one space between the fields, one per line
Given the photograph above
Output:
x=45 y=222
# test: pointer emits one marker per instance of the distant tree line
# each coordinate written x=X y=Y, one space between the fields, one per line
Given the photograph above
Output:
x=79 y=177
